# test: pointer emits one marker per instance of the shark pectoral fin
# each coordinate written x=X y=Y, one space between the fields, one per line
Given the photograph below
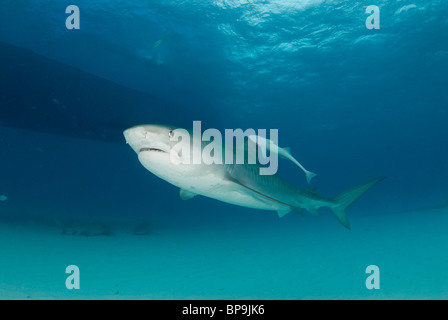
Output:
x=186 y=195
x=283 y=211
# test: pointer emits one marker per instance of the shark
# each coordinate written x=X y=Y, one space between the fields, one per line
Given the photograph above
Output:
x=238 y=184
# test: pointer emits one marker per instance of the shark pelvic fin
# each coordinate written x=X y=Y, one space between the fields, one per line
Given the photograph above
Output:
x=282 y=212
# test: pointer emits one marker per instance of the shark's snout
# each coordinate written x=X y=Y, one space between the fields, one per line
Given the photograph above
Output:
x=134 y=137
x=126 y=135
x=152 y=138
x=133 y=132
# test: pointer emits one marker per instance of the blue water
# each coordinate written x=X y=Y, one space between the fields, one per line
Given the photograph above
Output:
x=352 y=103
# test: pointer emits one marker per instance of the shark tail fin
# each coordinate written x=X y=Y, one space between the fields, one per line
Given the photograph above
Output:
x=345 y=199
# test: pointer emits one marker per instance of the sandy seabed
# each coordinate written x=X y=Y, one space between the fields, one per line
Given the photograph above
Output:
x=317 y=259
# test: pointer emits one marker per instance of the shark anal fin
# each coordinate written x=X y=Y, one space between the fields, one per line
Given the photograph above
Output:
x=186 y=195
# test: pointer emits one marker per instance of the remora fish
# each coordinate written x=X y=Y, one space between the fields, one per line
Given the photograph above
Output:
x=266 y=144
x=239 y=184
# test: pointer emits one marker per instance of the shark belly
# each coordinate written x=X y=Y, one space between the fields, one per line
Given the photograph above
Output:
x=230 y=192
x=209 y=181
x=216 y=187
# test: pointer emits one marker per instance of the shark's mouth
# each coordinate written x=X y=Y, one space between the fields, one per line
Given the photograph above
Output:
x=152 y=149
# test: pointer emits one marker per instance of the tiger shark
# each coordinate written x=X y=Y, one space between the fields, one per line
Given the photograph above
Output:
x=238 y=184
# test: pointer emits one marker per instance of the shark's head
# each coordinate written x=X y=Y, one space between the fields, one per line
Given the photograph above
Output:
x=149 y=138
x=154 y=146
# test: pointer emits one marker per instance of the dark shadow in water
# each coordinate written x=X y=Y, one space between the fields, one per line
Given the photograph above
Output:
x=41 y=94
x=89 y=229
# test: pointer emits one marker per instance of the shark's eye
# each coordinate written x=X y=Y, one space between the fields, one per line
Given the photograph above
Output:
x=171 y=134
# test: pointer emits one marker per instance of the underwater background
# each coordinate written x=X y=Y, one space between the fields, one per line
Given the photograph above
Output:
x=352 y=103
